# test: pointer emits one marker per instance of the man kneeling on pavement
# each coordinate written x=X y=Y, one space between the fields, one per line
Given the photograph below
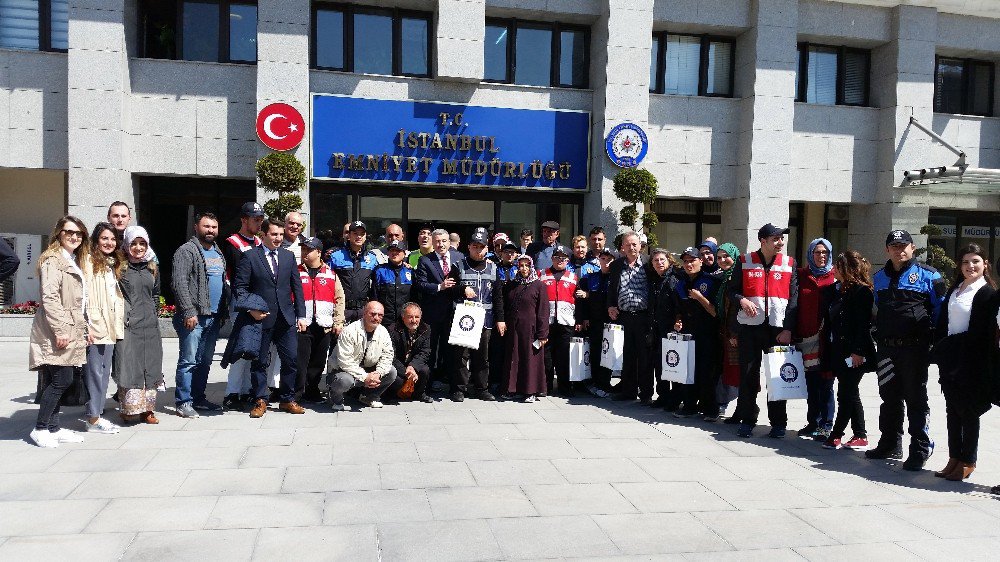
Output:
x=411 y=339
x=363 y=359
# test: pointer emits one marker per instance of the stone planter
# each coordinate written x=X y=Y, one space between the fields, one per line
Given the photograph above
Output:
x=167 y=328
x=15 y=325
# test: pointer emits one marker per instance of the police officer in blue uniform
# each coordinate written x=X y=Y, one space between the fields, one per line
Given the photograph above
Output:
x=354 y=265
x=392 y=282
x=908 y=297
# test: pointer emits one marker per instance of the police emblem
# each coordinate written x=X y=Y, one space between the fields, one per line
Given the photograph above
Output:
x=407 y=275
x=703 y=288
x=322 y=281
x=788 y=372
x=626 y=145
x=565 y=284
x=586 y=358
x=912 y=278
x=673 y=358
x=466 y=323
x=605 y=346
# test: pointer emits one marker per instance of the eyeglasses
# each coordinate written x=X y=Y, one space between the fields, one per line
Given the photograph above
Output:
x=72 y=233
x=290 y=223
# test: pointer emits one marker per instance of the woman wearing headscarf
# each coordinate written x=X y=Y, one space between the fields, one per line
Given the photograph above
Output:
x=139 y=357
x=525 y=316
x=814 y=302
x=729 y=379
x=105 y=320
x=58 y=340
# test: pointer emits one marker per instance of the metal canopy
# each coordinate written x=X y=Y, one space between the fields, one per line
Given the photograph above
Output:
x=959 y=178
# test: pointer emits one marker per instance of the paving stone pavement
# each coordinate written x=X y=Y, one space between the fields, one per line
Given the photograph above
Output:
x=584 y=478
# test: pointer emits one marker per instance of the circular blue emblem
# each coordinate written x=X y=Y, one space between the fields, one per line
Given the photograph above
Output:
x=466 y=323
x=626 y=145
x=788 y=372
x=673 y=358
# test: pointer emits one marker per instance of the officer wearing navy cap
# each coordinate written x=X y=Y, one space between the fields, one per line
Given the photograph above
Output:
x=908 y=298
x=354 y=266
x=392 y=282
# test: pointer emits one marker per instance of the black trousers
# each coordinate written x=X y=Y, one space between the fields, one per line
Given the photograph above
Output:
x=637 y=373
x=902 y=385
x=849 y=408
x=419 y=387
x=601 y=376
x=963 y=430
x=819 y=403
x=557 y=356
x=754 y=340
x=284 y=339
x=498 y=352
x=470 y=371
x=441 y=362
x=700 y=396
x=60 y=379
x=314 y=347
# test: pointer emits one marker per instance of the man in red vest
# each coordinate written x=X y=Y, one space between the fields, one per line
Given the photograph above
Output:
x=560 y=284
x=765 y=287
x=233 y=249
x=324 y=299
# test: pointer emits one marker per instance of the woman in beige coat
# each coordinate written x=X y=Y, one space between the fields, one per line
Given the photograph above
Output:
x=105 y=320
x=59 y=331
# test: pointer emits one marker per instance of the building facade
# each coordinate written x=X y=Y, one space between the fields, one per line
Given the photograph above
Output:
x=784 y=111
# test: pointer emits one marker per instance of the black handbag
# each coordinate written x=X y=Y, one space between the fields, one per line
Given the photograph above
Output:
x=76 y=395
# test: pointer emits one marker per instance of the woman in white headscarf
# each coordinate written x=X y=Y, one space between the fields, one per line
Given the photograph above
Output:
x=139 y=357
x=525 y=315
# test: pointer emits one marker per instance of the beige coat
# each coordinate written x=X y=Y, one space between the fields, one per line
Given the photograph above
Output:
x=60 y=314
x=105 y=305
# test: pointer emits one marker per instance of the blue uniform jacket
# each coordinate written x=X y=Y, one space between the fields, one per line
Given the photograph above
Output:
x=908 y=302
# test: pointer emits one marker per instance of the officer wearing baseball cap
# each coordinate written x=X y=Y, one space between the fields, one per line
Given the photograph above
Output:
x=908 y=298
x=324 y=297
x=354 y=266
x=564 y=319
x=392 y=282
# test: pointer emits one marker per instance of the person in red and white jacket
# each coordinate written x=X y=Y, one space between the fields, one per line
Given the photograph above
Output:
x=560 y=285
x=233 y=249
x=324 y=300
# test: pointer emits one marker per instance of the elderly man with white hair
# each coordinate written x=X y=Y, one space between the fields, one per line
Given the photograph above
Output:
x=363 y=359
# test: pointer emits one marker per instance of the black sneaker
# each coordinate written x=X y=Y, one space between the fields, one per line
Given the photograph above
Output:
x=731 y=420
x=486 y=396
x=426 y=399
x=457 y=397
x=232 y=402
x=313 y=397
x=623 y=397
x=205 y=405
x=880 y=452
x=914 y=463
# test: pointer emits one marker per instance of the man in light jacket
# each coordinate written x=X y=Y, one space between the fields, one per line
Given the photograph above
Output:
x=202 y=295
x=363 y=359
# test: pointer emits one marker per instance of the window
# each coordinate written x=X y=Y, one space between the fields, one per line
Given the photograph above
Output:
x=201 y=30
x=371 y=40
x=832 y=75
x=963 y=86
x=537 y=53
x=38 y=25
x=691 y=65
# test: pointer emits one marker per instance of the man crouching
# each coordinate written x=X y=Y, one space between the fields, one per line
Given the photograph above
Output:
x=363 y=359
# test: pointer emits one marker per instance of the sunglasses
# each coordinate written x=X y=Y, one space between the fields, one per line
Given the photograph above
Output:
x=72 y=233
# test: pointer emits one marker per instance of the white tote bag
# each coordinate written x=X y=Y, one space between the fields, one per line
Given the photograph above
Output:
x=677 y=358
x=785 y=374
x=579 y=359
x=467 y=326
x=613 y=347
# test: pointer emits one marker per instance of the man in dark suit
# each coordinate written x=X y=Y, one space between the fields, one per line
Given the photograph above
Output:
x=433 y=284
x=270 y=272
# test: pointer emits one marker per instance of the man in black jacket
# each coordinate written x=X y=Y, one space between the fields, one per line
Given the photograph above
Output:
x=392 y=282
x=411 y=341
x=628 y=305
x=433 y=285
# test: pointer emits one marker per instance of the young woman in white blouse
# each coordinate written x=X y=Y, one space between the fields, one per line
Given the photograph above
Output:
x=967 y=326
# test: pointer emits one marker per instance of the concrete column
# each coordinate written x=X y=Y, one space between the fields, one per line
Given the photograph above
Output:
x=766 y=85
x=283 y=71
x=620 y=77
x=460 y=32
x=902 y=85
x=97 y=96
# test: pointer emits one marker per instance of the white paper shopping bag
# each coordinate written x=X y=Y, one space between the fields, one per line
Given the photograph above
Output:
x=613 y=347
x=677 y=359
x=467 y=326
x=579 y=359
x=785 y=374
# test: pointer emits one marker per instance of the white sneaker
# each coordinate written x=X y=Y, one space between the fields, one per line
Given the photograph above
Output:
x=66 y=436
x=102 y=426
x=44 y=438
x=371 y=403
x=530 y=398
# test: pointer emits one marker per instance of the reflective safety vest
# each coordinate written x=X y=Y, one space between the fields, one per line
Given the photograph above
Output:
x=482 y=282
x=562 y=301
x=768 y=289
x=241 y=244
x=319 y=294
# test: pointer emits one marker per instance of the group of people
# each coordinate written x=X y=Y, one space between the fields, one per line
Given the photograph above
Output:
x=376 y=322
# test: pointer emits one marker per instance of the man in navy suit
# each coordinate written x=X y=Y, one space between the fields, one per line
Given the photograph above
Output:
x=433 y=284
x=270 y=272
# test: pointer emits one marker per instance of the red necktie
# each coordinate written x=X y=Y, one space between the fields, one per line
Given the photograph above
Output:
x=444 y=266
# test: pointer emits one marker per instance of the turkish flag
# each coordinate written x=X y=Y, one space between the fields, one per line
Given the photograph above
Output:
x=280 y=126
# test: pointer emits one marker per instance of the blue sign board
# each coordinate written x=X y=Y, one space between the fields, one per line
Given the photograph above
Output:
x=372 y=140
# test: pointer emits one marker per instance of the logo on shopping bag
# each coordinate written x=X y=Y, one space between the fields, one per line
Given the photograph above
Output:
x=605 y=345
x=586 y=358
x=466 y=323
x=673 y=358
x=788 y=372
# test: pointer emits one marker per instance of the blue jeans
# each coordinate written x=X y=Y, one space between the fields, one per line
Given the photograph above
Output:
x=195 y=359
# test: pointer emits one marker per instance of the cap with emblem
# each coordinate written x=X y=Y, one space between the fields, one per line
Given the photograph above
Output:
x=251 y=209
x=551 y=224
x=508 y=247
x=560 y=250
x=898 y=237
x=312 y=243
x=769 y=230
x=395 y=245
x=359 y=224
x=692 y=252
x=479 y=237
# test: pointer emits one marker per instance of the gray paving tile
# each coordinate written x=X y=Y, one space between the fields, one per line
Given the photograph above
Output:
x=508 y=415
x=439 y=417
x=759 y=555
x=601 y=470
x=840 y=492
x=282 y=420
x=457 y=451
x=479 y=502
x=662 y=497
x=374 y=453
x=573 y=416
x=425 y=475
x=103 y=461
x=232 y=481
x=836 y=553
x=660 y=533
x=515 y=472
x=243 y=438
x=744 y=528
x=613 y=448
x=169 y=439
x=331 y=478
x=347 y=543
x=332 y=435
x=193 y=546
x=305 y=455
x=681 y=469
x=577 y=499
x=197 y=458
x=152 y=514
x=410 y=433
x=88 y=547
x=367 y=417
x=623 y=430
x=376 y=506
x=539 y=537
x=28 y=458
x=862 y=524
x=764 y=494
x=544 y=430
x=546 y=449
x=452 y=541
x=272 y=510
x=948 y=520
x=979 y=548
x=687 y=447
x=134 y=484
x=484 y=432
x=40 y=486
x=47 y=517
x=765 y=468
